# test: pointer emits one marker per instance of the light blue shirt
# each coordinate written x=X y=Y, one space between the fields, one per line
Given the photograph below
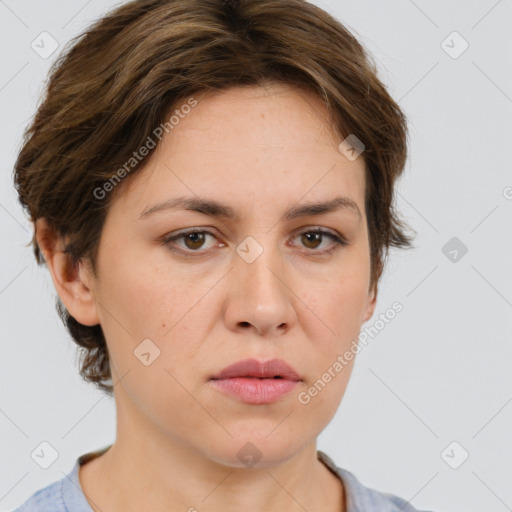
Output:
x=66 y=495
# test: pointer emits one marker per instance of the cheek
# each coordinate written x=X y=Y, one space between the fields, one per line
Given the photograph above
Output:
x=349 y=294
x=333 y=331
x=156 y=305
x=336 y=307
x=142 y=299
x=151 y=340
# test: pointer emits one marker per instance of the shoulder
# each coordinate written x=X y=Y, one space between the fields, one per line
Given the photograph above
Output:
x=48 y=499
x=64 y=495
x=365 y=499
x=361 y=498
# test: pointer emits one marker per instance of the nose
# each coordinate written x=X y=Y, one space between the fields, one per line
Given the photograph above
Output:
x=260 y=297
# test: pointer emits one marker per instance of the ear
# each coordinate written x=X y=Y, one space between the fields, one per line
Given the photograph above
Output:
x=371 y=302
x=73 y=284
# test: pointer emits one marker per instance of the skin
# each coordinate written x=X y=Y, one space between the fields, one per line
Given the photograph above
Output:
x=260 y=150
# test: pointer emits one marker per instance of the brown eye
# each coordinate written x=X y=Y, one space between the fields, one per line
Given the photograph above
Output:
x=313 y=238
x=192 y=242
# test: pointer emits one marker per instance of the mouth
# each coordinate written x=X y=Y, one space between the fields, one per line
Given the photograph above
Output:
x=252 y=368
x=256 y=383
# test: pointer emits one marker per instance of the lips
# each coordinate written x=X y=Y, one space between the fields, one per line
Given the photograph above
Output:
x=272 y=369
x=256 y=383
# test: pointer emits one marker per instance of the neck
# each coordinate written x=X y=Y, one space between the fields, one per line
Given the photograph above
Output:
x=150 y=470
x=178 y=478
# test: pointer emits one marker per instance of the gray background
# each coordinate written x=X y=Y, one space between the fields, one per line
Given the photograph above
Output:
x=438 y=373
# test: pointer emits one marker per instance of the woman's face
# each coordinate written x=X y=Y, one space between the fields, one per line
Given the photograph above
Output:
x=259 y=285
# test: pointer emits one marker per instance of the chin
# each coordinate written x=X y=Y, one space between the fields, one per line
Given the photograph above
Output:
x=258 y=451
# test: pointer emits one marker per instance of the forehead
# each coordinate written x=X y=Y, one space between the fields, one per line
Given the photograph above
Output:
x=249 y=144
x=275 y=116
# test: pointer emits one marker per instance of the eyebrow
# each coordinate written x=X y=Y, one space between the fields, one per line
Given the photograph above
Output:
x=216 y=209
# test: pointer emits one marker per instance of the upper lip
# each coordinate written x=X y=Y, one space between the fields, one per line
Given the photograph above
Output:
x=254 y=368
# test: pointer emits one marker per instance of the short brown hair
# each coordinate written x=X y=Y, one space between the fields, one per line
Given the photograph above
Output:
x=120 y=79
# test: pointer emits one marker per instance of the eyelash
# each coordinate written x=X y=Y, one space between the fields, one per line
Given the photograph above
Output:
x=338 y=241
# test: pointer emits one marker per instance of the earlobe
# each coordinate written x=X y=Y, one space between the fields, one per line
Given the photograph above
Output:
x=68 y=280
x=371 y=303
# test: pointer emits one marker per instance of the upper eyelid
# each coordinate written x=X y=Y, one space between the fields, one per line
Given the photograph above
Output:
x=212 y=233
x=324 y=231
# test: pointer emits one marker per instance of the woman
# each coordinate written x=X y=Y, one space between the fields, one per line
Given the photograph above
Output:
x=211 y=187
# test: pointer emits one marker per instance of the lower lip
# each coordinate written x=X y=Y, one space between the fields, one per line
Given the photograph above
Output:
x=255 y=391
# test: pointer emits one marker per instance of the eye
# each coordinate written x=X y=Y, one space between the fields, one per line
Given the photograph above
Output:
x=194 y=240
x=313 y=238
